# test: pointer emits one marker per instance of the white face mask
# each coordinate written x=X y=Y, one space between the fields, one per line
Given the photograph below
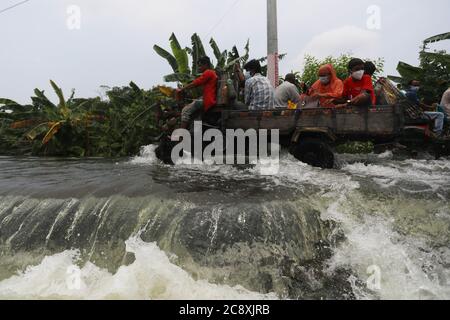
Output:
x=358 y=75
x=324 y=80
x=247 y=75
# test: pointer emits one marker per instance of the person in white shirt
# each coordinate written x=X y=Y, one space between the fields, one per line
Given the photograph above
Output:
x=445 y=103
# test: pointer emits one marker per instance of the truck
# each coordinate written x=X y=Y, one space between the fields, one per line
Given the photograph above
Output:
x=311 y=134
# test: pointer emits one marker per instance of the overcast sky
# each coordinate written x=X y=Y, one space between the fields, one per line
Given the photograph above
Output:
x=114 y=43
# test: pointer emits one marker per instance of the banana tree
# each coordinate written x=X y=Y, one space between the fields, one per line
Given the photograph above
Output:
x=433 y=71
x=114 y=126
x=44 y=119
x=179 y=58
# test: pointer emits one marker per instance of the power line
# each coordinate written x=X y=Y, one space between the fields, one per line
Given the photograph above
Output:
x=223 y=17
x=14 y=6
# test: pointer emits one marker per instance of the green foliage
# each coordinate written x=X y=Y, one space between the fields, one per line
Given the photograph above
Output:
x=198 y=51
x=115 y=127
x=180 y=54
x=166 y=55
x=179 y=59
x=340 y=64
x=356 y=147
x=433 y=71
x=439 y=37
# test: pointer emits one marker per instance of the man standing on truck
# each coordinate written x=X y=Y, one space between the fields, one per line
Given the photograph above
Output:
x=259 y=93
x=208 y=80
x=413 y=96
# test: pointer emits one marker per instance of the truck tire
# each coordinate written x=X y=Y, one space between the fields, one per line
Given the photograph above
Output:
x=314 y=152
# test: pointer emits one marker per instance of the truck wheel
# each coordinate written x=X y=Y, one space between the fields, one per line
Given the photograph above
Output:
x=314 y=152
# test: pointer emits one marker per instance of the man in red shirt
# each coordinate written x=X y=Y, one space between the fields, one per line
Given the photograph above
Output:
x=208 y=80
x=358 y=88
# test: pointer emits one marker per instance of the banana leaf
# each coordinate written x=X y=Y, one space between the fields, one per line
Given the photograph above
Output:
x=247 y=52
x=179 y=77
x=220 y=56
x=197 y=52
x=442 y=57
x=136 y=89
x=51 y=133
x=233 y=55
x=231 y=63
x=62 y=101
x=37 y=131
x=7 y=102
x=439 y=37
x=180 y=55
x=41 y=98
x=166 y=55
x=409 y=72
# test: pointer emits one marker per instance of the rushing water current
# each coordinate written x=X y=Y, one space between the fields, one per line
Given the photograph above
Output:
x=377 y=227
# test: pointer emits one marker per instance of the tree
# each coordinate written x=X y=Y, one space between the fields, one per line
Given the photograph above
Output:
x=115 y=127
x=433 y=71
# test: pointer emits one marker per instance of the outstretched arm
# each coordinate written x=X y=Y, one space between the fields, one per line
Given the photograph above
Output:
x=188 y=87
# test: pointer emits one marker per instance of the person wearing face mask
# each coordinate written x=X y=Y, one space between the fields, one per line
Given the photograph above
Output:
x=258 y=93
x=358 y=88
x=328 y=88
x=430 y=112
x=412 y=93
x=286 y=92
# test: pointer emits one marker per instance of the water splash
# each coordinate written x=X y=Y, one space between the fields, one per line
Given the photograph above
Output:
x=150 y=276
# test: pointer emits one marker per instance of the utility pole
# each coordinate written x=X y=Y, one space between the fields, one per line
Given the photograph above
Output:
x=272 y=43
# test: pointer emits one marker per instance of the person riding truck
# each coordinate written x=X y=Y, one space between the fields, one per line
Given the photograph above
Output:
x=412 y=93
x=208 y=80
x=358 y=88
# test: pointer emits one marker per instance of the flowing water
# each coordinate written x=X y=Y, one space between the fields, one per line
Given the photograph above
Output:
x=376 y=228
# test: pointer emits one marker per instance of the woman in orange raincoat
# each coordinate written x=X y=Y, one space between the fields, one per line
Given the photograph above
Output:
x=328 y=88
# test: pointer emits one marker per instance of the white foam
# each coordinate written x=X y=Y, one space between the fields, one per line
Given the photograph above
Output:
x=147 y=156
x=150 y=276
x=371 y=242
x=432 y=173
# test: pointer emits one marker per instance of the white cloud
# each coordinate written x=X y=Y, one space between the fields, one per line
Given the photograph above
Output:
x=348 y=39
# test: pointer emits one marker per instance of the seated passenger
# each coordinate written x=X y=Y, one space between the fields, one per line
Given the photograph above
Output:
x=358 y=88
x=445 y=103
x=208 y=80
x=370 y=68
x=259 y=93
x=286 y=92
x=328 y=88
x=412 y=93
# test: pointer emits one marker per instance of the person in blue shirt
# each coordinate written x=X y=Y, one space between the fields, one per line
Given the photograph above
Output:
x=412 y=93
